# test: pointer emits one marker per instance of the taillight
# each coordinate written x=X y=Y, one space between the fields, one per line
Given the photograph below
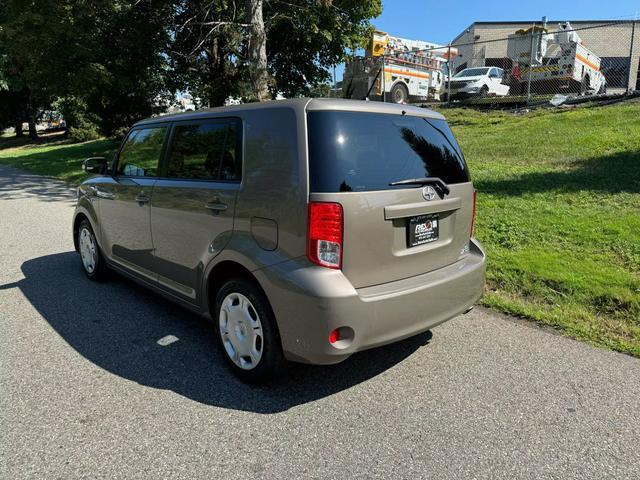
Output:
x=473 y=214
x=324 y=234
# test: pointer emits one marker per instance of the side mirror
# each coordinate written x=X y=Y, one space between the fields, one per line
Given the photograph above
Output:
x=95 y=165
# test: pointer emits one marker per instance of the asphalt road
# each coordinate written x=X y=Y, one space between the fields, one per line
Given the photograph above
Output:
x=94 y=384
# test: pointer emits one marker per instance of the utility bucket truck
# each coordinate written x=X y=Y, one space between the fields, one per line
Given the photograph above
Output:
x=397 y=70
x=554 y=62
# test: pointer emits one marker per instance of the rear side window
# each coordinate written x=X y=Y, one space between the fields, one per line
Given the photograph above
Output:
x=357 y=151
x=141 y=151
x=206 y=150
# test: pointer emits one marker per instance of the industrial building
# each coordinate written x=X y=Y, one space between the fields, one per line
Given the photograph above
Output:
x=617 y=43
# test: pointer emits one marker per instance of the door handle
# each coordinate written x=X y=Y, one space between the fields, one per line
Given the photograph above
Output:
x=101 y=193
x=142 y=198
x=216 y=206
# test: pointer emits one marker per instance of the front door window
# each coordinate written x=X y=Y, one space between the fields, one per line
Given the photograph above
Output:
x=140 y=154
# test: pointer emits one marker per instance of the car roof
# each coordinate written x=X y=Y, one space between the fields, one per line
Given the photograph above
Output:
x=300 y=104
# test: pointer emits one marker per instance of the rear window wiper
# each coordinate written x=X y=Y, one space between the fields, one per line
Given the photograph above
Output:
x=440 y=187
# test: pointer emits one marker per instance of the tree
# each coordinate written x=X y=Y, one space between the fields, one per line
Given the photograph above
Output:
x=110 y=62
x=219 y=46
x=205 y=49
x=306 y=39
x=98 y=62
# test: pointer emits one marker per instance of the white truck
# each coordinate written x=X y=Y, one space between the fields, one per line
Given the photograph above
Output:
x=555 y=62
x=397 y=70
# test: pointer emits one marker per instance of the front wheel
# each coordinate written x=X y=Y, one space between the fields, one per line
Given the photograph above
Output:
x=247 y=331
x=92 y=260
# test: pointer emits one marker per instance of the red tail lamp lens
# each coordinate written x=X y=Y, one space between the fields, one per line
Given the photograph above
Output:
x=324 y=234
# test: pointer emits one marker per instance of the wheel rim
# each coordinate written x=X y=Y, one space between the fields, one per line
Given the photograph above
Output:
x=88 y=250
x=398 y=95
x=241 y=331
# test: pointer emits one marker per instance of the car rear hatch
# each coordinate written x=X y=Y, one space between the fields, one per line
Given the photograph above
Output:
x=391 y=232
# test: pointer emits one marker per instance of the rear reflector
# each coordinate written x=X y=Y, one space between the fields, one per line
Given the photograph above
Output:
x=473 y=215
x=334 y=336
x=324 y=234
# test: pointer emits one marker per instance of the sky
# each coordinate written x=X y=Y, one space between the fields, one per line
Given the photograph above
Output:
x=440 y=21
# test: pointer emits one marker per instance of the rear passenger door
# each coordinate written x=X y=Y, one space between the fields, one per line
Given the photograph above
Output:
x=194 y=201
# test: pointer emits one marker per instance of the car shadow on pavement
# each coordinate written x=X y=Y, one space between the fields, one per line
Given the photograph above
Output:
x=138 y=335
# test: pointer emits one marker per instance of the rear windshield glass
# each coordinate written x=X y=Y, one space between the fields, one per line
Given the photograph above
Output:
x=354 y=151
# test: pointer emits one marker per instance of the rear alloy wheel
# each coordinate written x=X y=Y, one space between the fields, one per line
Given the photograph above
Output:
x=399 y=93
x=247 y=332
x=92 y=261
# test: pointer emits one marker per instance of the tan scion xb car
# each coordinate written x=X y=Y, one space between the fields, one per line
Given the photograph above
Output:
x=306 y=230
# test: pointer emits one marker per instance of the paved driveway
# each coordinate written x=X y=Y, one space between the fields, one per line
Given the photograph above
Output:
x=87 y=389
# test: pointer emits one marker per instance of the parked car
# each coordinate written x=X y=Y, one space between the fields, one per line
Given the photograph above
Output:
x=477 y=82
x=307 y=230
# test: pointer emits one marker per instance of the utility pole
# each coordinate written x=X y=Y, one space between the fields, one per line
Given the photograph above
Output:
x=449 y=67
x=630 y=85
x=384 y=84
x=533 y=28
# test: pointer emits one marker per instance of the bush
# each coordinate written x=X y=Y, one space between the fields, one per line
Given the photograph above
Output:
x=84 y=133
x=82 y=125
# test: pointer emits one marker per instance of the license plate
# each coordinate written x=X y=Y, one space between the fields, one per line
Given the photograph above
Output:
x=422 y=229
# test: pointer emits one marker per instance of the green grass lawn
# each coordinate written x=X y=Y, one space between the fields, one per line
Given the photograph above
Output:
x=559 y=215
x=54 y=156
x=558 y=211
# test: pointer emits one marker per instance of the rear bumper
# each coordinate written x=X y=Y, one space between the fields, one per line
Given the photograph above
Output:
x=309 y=302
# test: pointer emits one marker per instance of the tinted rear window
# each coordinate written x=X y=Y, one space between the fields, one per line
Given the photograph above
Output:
x=354 y=151
x=205 y=150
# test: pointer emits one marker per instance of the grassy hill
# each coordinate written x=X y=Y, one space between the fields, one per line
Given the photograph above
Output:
x=558 y=212
x=559 y=215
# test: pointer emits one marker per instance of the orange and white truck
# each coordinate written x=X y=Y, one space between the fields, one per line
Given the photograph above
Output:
x=554 y=62
x=397 y=70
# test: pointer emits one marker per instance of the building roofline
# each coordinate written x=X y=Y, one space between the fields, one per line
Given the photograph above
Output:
x=504 y=22
x=462 y=33
x=529 y=22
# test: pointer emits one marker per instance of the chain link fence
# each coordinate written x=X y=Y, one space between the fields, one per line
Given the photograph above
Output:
x=505 y=63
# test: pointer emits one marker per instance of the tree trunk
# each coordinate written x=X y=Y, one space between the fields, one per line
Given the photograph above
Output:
x=31 y=118
x=18 y=129
x=33 y=132
x=257 y=51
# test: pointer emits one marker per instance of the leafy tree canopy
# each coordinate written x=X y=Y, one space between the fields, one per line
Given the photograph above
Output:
x=112 y=62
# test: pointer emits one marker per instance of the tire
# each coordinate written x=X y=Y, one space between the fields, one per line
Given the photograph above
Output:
x=584 y=86
x=93 y=264
x=484 y=91
x=247 y=332
x=399 y=93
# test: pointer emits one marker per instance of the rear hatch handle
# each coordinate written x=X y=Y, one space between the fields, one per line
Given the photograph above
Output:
x=439 y=186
